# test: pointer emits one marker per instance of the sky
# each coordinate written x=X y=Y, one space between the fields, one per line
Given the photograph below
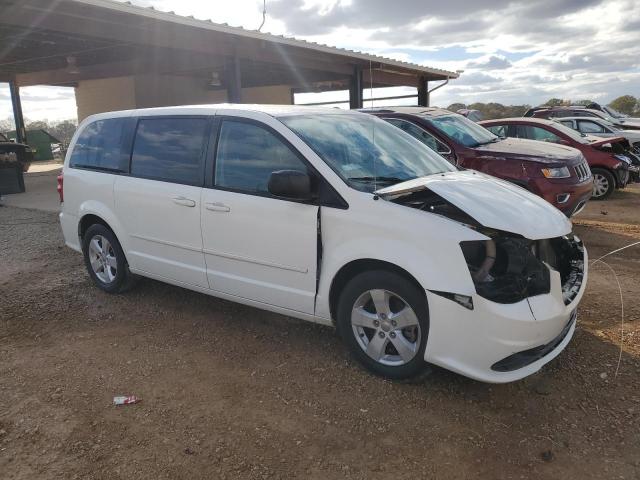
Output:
x=512 y=52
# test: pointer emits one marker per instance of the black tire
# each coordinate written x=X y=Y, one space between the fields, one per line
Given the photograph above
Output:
x=605 y=176
x=406 y=291
x=123 y=279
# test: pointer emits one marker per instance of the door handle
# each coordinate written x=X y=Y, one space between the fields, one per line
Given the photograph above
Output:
x=217 y=207
x=185 y=202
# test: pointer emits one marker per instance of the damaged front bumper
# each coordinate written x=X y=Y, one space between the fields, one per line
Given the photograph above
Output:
x=523 y=315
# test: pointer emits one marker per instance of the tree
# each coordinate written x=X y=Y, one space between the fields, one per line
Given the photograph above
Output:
x=63 y=130
x=625 y=104
x=555 y=102
x=454 y=107
x=584 y=103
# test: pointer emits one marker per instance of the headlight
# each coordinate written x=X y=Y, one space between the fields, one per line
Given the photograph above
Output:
x=561 y=172
x=624 y=158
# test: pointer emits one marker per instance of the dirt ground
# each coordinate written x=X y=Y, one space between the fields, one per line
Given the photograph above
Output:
x=233 y=392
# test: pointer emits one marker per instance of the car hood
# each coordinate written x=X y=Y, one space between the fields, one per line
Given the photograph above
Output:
x=631 y=122
x=600 y=141
x=491 y=202
x=532 y=150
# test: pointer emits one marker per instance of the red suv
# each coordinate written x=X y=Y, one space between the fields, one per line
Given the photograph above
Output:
x=606 y=156
x=557 y=173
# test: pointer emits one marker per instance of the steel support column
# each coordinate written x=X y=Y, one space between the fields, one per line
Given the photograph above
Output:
x=355 y=89
x=423 y=92
x=18 y=118
x=233 y=80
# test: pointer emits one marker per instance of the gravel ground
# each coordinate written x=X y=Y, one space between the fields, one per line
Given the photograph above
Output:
x=233 y=392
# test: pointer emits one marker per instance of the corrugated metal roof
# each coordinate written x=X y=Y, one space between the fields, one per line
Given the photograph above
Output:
x=151 y=12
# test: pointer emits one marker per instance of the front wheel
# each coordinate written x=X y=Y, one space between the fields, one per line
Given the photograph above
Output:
x=603 y=183
x=105 y=260
x=383 y=320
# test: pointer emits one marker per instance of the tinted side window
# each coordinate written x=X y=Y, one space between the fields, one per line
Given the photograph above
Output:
x=99 y=146
x=169 y=149
x=536 y=133
x=248 y=154
x=425 y=137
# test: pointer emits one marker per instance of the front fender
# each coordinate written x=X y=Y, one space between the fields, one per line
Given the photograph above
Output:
x=425 y=245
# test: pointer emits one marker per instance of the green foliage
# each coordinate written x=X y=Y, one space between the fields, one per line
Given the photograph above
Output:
x=626 y=104
x=556 y=102
x=492 y=110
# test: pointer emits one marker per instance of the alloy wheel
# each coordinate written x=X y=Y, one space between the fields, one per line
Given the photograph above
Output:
x=102 y=259
x=600 y=185
x=386 y=327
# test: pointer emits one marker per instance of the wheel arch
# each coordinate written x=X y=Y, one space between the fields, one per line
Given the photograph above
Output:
x=355 y=267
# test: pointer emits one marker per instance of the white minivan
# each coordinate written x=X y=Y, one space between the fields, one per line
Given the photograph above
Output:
x=330 y=216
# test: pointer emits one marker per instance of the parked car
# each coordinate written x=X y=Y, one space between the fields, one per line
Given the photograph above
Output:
x=612 y=112
x=601 y=128
x=329 y=216
x=558 y=112
x=556 y=173
x=606 y=156
x=11 y=151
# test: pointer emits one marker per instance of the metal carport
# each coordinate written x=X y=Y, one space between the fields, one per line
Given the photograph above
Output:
x=118 y=55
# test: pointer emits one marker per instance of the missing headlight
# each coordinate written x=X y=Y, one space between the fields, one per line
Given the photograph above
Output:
x=506 y=269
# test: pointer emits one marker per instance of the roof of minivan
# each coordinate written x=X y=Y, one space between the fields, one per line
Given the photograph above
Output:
x=271 y=110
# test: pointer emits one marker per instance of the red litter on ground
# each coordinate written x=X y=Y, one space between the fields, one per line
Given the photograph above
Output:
x=125 y=400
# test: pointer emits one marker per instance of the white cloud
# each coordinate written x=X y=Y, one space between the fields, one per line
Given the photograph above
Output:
x=512 y=52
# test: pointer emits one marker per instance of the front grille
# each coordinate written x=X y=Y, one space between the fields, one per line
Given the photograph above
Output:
x=582 y=171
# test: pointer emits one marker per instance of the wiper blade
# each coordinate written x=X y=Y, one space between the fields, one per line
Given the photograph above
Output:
x=379 y=179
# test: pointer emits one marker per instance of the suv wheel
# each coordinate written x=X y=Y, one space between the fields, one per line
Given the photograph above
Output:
x=603 y=183
x=383 y=319
x=105 y=260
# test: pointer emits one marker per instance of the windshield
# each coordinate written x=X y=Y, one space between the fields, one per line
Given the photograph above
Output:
x=368 y=153
x=613 y=112
x=462 y=130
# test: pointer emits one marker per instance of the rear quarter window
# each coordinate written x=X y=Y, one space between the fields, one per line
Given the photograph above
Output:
x=99 y=146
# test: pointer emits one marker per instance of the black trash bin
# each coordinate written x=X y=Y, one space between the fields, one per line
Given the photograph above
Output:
x=11 y=178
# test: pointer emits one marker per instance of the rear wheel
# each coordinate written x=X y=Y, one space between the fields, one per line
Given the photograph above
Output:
x=604 y=183
x=105 y=260
x=383 y=320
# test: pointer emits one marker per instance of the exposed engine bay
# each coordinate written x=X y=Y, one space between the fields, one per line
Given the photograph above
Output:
x=509 y=268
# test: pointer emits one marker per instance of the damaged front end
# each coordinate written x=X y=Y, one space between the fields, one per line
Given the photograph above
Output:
x=527 y=237
x=508 y=268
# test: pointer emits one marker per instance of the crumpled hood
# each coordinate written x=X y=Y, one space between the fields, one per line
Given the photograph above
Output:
x=493 y=203
x=530 y=150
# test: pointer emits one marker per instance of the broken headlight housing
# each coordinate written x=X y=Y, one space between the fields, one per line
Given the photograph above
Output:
x=509 y=268
x=506 y=269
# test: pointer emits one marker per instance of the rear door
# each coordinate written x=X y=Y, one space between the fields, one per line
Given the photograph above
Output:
x=257 y=246
x=159 y=202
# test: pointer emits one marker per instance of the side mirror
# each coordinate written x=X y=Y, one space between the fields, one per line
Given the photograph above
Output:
x=290 y=185
x=562 y=141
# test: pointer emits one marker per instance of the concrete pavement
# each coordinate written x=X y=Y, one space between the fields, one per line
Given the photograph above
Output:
x=40 y=184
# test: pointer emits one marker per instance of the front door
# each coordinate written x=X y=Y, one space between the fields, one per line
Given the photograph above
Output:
x=159 y=203
x=256 y=246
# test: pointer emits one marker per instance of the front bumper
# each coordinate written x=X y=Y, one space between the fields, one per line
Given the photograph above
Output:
x=471 y=342
x=569 y=198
